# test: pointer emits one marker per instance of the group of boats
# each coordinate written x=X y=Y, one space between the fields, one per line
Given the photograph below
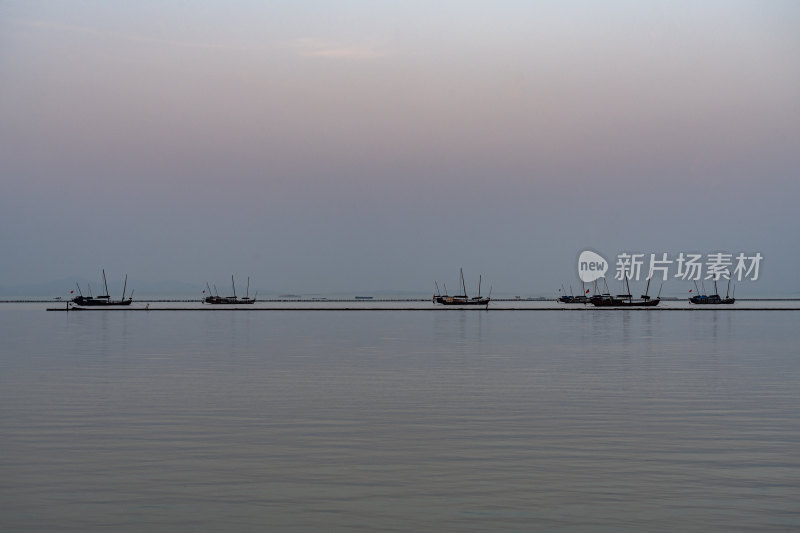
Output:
x=627 y=300
x=598 y=299
x=606 y=299
x=104 y=300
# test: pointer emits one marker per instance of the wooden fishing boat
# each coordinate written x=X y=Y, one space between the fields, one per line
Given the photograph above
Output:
x=216 y=299
x=626 y=300
x=462 y=299
x=713 y=299
x=102 y=300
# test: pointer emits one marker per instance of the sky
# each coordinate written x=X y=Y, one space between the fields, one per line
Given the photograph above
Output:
x=322 y=146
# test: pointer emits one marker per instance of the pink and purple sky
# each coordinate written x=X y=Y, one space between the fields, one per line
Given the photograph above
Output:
x=361 y=146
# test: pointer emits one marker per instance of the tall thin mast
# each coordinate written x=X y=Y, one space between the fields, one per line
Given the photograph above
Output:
x=234 y=286
x=247 y=292
x=463 y=285
x=124 y=286
x=105 y=283
x=79 y=288
x=480 y=276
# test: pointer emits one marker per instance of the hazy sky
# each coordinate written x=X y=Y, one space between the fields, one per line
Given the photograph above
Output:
x=337 y=146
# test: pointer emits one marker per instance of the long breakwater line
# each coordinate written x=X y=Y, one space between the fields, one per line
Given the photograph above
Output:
x=428 y=309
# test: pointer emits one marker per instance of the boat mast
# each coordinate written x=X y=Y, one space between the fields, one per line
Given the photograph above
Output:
x=628 y=286
x=729 y=288
x=105 y=283
x=659 y=290
x=79 y=289
x=479 y=284
x=124 y=286
x=234 y=286
x=247 y=292
x=463 y=285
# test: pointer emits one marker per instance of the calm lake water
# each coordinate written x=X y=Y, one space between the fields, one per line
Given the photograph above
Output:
x=399 y=421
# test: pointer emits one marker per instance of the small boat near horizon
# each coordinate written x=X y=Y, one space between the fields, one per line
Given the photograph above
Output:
x=626 y=300
x=571 y=298
x=104 y=299
x=462 y=299
x=714 y=299
x=215 y=299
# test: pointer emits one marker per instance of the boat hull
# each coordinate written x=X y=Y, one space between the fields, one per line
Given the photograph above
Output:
x=574 y=300
x=449 y=300
x=97 y=302
x=710 y=300
x=615 y=302
x=219 y=300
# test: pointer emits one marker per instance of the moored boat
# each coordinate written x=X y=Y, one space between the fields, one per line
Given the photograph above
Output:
x=216 y=299
x=713 y=299
x=103 y=300
x=462 y=299
x=572 y=299
x=626 y=300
